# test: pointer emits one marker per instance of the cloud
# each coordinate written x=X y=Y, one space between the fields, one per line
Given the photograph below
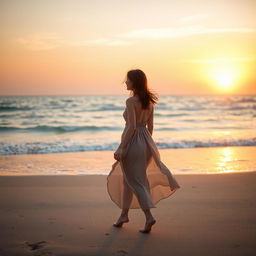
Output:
x=38 y=42
x=101 y=41
x=217 y=60
x=49 y=41
x=160 y=33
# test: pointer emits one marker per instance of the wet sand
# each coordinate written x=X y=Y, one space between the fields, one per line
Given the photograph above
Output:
x=179 y=161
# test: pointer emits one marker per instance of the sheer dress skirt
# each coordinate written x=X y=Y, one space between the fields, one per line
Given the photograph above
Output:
x=140 y=179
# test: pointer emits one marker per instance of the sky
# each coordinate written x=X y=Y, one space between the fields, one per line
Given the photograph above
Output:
x=193 y=47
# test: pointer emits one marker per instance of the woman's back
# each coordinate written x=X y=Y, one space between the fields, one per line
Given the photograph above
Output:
x=142 y=115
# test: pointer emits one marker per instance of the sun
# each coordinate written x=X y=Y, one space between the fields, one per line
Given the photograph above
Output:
x=224 y=75
x=225 y=78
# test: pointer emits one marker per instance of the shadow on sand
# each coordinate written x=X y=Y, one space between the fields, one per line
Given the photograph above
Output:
x=114 y=238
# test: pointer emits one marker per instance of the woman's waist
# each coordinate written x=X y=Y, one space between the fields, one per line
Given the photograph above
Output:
x=141 y=125
x=138 y=125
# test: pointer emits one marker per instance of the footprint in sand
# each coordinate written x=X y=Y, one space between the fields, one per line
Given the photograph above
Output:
x=122 y=252
x=36 y=246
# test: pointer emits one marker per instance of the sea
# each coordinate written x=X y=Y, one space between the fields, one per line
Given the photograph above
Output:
x=78 y=134
x=76 y=123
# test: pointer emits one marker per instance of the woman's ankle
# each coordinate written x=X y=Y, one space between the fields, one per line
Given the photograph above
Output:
x=148 y=214
x=124 y=214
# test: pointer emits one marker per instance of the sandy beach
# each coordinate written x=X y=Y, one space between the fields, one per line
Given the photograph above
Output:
x=73 y=215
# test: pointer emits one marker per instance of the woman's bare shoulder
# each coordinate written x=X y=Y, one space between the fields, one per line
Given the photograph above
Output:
x=131 y=99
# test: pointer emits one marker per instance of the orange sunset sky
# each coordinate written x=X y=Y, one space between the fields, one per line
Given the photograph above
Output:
x=52 y=47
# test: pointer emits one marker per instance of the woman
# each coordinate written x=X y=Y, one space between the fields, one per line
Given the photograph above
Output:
x=138 y=178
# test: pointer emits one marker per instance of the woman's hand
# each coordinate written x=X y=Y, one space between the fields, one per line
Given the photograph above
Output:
x=118 y=154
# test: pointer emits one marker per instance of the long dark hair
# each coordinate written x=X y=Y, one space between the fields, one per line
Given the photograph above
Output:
x=140 y=85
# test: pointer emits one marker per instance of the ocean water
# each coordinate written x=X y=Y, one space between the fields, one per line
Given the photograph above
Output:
x=54 y=124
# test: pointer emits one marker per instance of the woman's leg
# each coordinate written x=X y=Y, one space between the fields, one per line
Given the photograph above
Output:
x=127 y=198
x=148 y=214
x=150 y=221
x=138 y=183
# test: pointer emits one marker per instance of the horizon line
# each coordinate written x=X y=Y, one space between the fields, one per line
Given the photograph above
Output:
x=163 y=94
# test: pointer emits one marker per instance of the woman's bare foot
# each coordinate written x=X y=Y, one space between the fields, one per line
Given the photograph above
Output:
x=149 y=223
x=121 y=221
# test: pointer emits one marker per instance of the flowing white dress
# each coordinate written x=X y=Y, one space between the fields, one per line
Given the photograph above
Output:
x=140 y=179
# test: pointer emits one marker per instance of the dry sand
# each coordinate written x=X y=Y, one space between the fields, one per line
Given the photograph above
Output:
x=73 y=215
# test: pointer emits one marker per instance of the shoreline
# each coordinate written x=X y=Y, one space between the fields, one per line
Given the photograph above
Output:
x=235 y=159
x=105 y=175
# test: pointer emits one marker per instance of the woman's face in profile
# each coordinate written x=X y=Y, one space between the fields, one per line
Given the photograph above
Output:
x=128 y=83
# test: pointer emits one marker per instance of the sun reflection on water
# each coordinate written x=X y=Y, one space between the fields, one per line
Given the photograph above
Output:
x=224 y=164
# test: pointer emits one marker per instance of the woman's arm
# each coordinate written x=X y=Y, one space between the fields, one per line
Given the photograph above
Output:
x=150 y=122
x=130 y=124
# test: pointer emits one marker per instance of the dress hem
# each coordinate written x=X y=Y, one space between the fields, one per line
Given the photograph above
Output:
x=172 y=191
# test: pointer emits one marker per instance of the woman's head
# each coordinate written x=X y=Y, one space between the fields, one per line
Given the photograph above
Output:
x=136 y=81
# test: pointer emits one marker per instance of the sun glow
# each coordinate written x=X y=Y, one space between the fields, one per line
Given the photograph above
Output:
x=225 y=77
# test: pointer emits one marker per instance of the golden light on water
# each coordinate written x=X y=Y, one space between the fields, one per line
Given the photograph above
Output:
x=224 y=165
